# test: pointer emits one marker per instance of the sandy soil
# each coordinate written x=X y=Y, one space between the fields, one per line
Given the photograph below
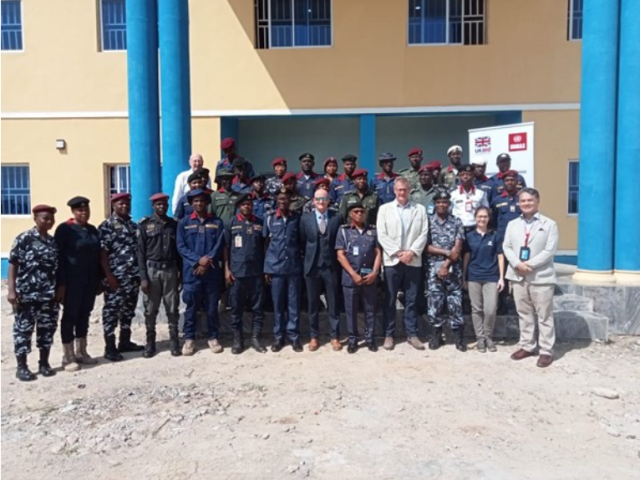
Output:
x=390 y=415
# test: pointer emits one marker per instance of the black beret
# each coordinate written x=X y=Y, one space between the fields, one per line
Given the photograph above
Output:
x=78 y=202
x=349 y=157
x=357 y=204
x=194 y=176
x=306 y=155
x=441 y=195
x=466 y=168
x=386 y=157
x=242 y=198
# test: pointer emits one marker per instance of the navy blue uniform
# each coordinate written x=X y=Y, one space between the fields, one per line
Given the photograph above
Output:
x=262 y=206
x=383 y=186
x=241 y=187
x=360 y=250
x=485 y=184
x=505 y=208
x=245 y=242
x=306 y=186
x=340 y=186
x=184 y=208
x=196 y=238
x=283 y=261
x=497 y=186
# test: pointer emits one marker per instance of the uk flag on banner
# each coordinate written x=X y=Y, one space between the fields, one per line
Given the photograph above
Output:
x=483 y=144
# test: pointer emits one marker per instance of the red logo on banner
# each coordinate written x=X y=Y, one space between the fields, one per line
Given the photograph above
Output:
x=517 y=141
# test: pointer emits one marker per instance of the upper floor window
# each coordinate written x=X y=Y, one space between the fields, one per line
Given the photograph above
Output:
x=447 y=22
x=16 y=190
x=11 y=25
x=113 y=22
x=574 y=171
x=119 y=181
x=293 y=23
x=574 y=19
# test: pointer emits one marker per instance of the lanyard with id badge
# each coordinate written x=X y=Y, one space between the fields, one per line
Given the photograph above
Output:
x=525 y=252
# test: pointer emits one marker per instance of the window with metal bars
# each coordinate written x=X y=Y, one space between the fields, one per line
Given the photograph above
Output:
x=574 y=19
x=447 y=22
x=11 y=25
x=574 y=174
x=16 y=190
x=118 y=181
x=292 y=23
x=113 y=20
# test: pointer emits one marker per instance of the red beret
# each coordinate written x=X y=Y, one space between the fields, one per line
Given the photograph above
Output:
x=227 y=143
x=43 y=208
x=156 y=197
x=322 y=181
x=288 y=176
x=279 y=161
x=435 y=164
x=361 y=172
x=415 y=151
x=426 y=168
x=329 y=160
x=510 y=173
x=120 y=196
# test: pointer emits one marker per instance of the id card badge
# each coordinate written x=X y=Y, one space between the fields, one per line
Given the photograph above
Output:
x=525 y=254
x=238 y=241
x=512 y=209
x=468 y=206
x=431 y=209
x=356 y=251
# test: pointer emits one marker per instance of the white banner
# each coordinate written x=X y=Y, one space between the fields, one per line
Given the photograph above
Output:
x=515 y=140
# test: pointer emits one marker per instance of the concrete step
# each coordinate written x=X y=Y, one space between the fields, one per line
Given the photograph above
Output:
x=572 y=302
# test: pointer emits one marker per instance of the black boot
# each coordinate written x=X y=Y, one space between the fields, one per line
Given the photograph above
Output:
x=45 y=369
x=23 y=373
x=435 y=341
x=256 y=343
x=238 y=343
x=174 y=342
x=461 y=343
x=150 y=347
x=110 y=350
x=125 y=344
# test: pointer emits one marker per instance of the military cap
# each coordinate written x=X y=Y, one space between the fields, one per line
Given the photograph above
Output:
x=328 y=160
x=78 y=202
x=256 y=176
x=288 y=176
x=203 y=171
x=239 y=162
x=225 y=173
x=279 y=161
x=479 y=161
x=441 y=195
x=429 y=167
x=386 y=157
x=194 y=176
x=227 y=143
x=197 y=193
x=503 y=157
x=454 y=148
x=361 y=172
x=158 y=197
x=43 y=208
x=243 y=198
x=357 y=204
x=510 y=173
x=414 y=151
x=120 y=196
x=306 y=155
x=466 y=168
x=434 y=165
x=322 y=181
x=349 y=157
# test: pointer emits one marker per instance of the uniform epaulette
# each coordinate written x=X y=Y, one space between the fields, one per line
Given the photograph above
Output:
x=143 y=219
x=345 y=226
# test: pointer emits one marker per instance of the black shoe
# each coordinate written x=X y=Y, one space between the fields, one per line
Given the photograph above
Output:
x=352 y=348
x=461 y=343
x=110 y=351
x=256 y=344
x=150 y=347
x=238 y=344
x=297 y=346
x=277 y=346
x=126 y=345
x=44 y=368
x=435 y=341
x=174 y=343
x=22 y=372
x=372 y=346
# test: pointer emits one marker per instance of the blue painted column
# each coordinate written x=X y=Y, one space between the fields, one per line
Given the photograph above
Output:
x=627 y=219
x=142 y=82
x=367 y=157
x=173 y=17
x=597 y=139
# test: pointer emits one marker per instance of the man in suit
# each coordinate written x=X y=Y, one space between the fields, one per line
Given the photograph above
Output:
x=530 y=243
x=403 y=228
x=318 y=230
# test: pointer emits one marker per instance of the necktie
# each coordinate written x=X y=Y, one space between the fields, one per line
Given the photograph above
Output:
x=322 y=226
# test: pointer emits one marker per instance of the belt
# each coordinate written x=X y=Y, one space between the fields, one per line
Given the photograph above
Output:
x=161 y=265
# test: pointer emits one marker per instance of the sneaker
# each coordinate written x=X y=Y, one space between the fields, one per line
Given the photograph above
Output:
x=215 y=346
x=189 y=347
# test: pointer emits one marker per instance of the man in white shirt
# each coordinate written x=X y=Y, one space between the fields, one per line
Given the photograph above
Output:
x=403 y=228
x=182 y=185
x=466 y=198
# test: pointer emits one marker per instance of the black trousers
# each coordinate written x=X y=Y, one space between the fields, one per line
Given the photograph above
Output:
x=78 y=303
x=319 y=280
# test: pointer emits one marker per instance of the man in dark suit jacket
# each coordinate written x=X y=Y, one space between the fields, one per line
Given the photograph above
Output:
x=318 y=232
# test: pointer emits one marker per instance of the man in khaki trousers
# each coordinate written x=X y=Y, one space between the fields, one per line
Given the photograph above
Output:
x=530 y=243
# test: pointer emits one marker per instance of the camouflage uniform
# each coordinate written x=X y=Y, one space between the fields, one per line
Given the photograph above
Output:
x=297 y=203
x=412 y=175
x=272 y=186
x=443 y=234
x=369 y=200
x=36 y=260
x=223 y=205
x=119 y=238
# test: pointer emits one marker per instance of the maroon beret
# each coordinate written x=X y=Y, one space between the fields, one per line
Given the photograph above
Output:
x=227 y=143
x=415 y=151
x=429 y=167
x=322 y=181
x=329 y=160
x=288 y=176
x=435 y=164
x=156 y=197
x=279 y=161
x=120 y=196
x=361 y=172
x=43 y=208
x=510 y=173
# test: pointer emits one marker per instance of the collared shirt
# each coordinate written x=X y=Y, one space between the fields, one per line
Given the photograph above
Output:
x=223 y=205
x=79 y=248
x=405 y=219
x=425 y=198
x=359 y=248
x=485 y=184
x=36 y=259
x=262 y=205
x=321 y=216
x=283 y=256
x=119 y=238
x=505 y=208
x=383 y=186
x=245 y=241
x=340 y=186
x=196 y=238
x=484 y=250
x=465 y=203
x=443 y=234
x=156 y=242
x=497 y=184
x=305 y=184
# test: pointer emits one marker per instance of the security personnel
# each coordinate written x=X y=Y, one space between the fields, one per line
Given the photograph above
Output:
x=437 y=164
x=306 y=177
x=230 y=150
x=206 y=179
x=160 y=266
x=297 y=201
x=244 y=270
x=223 y=200
x=283 y=271
x=480 y=180
x=466 y=198
x=119 y=260
x=425 y=192
x=331 y=168
x=383 y=182
x=361 y=194
x=33 y=267
x=444 y=275
x=503 y=161
x=344 y=183
x=322 y=183
x=242 y=180
x=200 y=241
x=360 y=257
x=449 y=176
x=78 y=279
x=262 y=202
x=411 y=173
x=195 y=181
x=274 y=184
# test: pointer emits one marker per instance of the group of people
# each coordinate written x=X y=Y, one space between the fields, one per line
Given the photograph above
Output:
x=423 y=234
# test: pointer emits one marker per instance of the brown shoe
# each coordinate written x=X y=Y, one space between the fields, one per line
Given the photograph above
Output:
x=389 y=343
x=415 y=343
x=336 y=345
x=544 y=361
x=215 y=346
x=314 y=344
x=521 y=354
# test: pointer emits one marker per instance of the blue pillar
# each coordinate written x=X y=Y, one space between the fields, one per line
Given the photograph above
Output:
x=173 y=17
x=229 y=128
x=597 y=136
x=627 y=218
x=142 y=82
x=367 y=156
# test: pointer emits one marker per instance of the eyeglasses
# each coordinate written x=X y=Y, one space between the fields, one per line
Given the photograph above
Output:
x=322 y=199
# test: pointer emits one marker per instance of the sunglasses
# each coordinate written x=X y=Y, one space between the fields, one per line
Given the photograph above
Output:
x=322 y=199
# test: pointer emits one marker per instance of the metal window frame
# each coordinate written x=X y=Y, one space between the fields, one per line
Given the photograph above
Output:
x=22 y=35
x=28 y=167
x=569 y=164
x=447 y=27
x=110 y=168
x=293 y=30
x=570 y=19
x=101 y=24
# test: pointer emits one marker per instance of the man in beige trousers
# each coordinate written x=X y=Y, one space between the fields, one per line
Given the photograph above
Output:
x=530 y=243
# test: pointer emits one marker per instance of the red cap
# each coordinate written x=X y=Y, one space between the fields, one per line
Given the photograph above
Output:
x=434 y=165
x=43 y=208
x=510 y=173
x=288 y=176
x=157 y=197
x=322 y=181
x=120 y=196
x=415 y=151
x=279 y=161
x=227 y=143
x=427 y=168
x=329 y=160
x=361 y=172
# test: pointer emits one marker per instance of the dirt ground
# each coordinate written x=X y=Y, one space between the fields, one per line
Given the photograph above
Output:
x=390 y=415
